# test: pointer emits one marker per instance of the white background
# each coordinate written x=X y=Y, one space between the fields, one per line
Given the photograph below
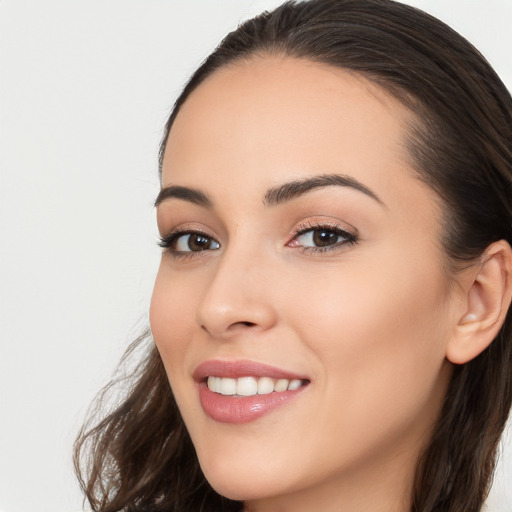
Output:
x=85 y=88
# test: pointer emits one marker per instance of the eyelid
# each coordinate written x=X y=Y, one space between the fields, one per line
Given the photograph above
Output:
x=167 y=240
x=334 y=225
x=350 y=235
x=188 y=227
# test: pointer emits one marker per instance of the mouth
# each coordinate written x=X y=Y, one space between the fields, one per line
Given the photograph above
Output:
x=251 y=386
x=243 y=391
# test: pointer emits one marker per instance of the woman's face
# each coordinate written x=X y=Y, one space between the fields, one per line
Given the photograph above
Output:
x=302 y=251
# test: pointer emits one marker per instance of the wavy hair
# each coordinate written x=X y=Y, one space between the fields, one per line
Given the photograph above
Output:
x=140 y=457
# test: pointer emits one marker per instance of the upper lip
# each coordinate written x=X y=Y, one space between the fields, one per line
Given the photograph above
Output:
x=241 y=368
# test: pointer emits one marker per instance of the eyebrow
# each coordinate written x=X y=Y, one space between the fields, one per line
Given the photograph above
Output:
x=294 y=189
x=275 y=195
x=191 y=195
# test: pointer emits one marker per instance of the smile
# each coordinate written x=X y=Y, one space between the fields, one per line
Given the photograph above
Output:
x=250 y=386
x=243 y=391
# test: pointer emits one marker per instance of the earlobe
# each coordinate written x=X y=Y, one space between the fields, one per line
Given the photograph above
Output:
x=486 y=302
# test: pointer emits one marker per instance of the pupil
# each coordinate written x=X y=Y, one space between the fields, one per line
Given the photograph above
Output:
x=323 y=238
x=198 y=243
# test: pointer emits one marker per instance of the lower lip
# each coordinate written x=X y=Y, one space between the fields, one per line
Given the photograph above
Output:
x=231 y=409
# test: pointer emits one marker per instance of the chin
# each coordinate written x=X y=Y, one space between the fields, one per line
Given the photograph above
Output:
x=242 y=484
x=238 y=487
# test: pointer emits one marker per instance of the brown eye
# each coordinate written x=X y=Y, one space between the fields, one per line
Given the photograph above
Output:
x=194 y=242
x=324 y=237
x=198 y=242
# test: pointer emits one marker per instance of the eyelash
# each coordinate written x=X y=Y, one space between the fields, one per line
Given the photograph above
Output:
x=167 y=242
x=349 y=238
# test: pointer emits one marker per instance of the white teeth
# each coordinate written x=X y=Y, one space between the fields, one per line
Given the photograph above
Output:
x=294 y=384
x=250 y=386
x=247 y=386
x=265 y=386
x=227 y=386
x=211 y=384
x=281 y=385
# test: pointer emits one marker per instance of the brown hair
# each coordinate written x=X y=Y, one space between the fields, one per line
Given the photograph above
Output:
x=140 y=457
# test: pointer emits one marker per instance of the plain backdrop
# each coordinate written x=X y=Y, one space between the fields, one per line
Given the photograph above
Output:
x=85 y=88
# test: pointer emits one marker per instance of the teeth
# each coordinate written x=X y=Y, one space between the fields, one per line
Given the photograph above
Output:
x=250 y=386
x=265 y=386
x=227 y=386
x=246 y=386
x=294 y=384
x=281 y=385
x=212 y=384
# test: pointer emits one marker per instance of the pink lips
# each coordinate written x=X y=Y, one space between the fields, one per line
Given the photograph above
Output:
x=235 y=409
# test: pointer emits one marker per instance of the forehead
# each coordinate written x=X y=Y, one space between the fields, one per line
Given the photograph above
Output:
x=272 y=119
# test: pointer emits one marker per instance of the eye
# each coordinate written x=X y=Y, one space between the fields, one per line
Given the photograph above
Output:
x=181 y=242
x=319 y=238
x=322 y=238
x=194 y=242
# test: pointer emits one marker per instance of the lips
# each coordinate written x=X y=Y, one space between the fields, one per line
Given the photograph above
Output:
x=242 y=368
x=243 y=391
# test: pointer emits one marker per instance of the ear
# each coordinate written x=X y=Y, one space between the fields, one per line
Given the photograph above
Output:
x=487 y=297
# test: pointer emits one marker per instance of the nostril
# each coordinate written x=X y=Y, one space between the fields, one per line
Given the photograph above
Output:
x=233 y=326
x=237 y=325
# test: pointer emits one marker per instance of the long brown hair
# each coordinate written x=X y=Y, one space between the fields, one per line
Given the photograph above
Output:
x=140 y=457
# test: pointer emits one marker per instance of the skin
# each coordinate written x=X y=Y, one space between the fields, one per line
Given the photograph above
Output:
x=367 y=322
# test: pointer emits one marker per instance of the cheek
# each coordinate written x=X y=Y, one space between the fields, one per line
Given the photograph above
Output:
x=365 y=305
x=171 y=318
x=379 y=333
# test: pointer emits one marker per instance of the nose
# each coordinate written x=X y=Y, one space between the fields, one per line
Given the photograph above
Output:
x=238 y=298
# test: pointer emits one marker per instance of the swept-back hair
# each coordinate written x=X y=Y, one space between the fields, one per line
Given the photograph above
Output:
x=140 y=457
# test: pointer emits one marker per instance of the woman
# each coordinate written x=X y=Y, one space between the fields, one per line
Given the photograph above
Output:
x=331 y=306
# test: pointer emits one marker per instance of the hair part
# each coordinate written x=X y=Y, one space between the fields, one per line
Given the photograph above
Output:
x=460 y=145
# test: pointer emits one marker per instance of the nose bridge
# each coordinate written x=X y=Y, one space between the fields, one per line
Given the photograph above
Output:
x=238 y=294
